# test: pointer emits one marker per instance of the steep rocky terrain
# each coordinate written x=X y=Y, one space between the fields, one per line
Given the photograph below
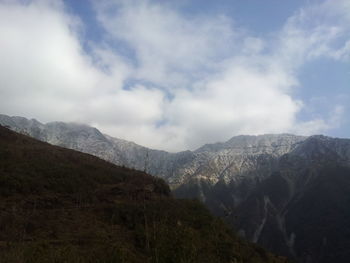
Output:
x=288 y=193
x=295 y=204
x=222 y=161
x=60 y=205
x=90 y=140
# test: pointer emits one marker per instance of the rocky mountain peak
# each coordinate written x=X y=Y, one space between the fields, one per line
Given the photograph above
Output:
x=275 y=144
x=265 y=185
x=323 y=147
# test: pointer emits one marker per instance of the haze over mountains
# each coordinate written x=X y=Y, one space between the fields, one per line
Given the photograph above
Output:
x=288 y=193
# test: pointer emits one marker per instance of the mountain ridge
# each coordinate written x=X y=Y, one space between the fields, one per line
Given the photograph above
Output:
x=252 y=182
x=130 y=154
x=61 y=205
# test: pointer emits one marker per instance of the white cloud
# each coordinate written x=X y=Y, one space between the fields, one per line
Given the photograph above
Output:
x=316 y=31
x=126 y=107
x=193 y=79
x=240 y=101
x=45 y=73
x=316 y=125
x=166 y=44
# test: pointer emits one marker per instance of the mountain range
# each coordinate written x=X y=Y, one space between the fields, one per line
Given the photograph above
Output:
x=61 y=205
x=288 y=193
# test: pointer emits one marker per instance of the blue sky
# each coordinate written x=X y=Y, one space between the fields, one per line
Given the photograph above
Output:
x=174 y=75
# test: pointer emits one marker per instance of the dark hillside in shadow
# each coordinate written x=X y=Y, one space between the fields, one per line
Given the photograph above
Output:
x=59 y=205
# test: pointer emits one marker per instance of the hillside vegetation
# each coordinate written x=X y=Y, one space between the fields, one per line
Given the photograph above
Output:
x=59 y=205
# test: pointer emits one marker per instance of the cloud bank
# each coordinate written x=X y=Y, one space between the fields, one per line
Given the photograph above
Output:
x=162 y=78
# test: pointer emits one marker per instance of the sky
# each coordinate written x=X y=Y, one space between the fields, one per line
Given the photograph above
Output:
x=174 y=75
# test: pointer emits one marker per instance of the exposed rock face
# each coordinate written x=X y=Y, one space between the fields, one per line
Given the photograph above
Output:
x=295 y=202
x=90 y=140
x=233 y=160
x=288 y=193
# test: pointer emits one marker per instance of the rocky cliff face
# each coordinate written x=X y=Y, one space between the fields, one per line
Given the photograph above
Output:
x=288 y=193
x=294 y=201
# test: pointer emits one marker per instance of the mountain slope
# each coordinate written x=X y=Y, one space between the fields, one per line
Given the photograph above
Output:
x=58 y=205
x=87 y=139
x=230 y=160
x=261 y=185
x=298 y=206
